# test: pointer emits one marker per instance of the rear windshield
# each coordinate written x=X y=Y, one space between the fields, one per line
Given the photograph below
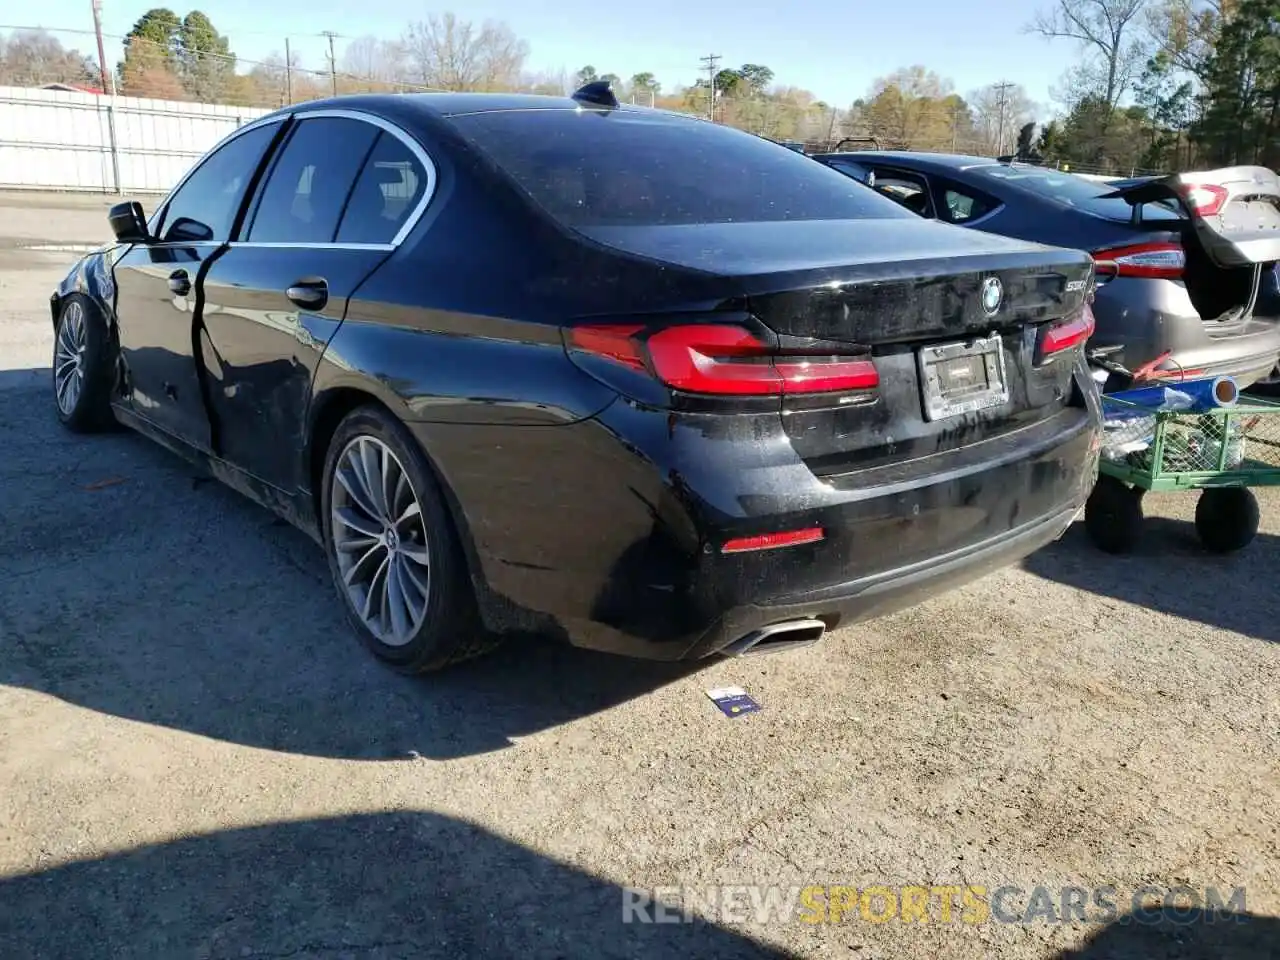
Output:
x=592 y=168
x=1073 y=191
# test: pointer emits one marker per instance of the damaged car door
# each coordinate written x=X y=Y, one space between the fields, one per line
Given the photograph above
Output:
x=335 y=202
x=158 y=286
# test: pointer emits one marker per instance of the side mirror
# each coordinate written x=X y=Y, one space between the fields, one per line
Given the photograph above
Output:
x=128 y=222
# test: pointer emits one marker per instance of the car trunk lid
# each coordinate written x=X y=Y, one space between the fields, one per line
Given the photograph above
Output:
x=954 y=320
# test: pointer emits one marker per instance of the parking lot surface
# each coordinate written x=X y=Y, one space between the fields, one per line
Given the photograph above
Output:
x=197 y=759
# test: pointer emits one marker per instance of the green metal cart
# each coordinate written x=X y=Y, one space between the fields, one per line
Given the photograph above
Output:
x=1221 y=453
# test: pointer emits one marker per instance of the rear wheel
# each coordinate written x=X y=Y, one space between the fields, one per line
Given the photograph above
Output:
x=1113 y=515
x=82 y=367
x=1227 y=518
x=393 y=551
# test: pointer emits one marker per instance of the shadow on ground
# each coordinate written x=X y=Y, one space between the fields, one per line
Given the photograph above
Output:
x=1183 y=935
x=1171 y=573
x=134 y=586
x=365 y=886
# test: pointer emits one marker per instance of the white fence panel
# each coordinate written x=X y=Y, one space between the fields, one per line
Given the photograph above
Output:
x=57 y=140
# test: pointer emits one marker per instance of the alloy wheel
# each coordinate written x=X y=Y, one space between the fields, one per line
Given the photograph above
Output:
x=380 y=540
x=68 y=358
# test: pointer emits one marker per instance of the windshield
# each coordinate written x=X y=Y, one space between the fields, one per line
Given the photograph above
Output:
x=1073 y=191
x=593 y=168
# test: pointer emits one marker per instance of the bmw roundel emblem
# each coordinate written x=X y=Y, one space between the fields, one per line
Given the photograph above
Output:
x=992 y=295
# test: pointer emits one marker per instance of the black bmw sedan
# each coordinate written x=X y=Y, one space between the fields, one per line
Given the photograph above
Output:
x=653 y=385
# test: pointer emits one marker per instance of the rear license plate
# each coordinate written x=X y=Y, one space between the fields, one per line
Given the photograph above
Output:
x=959 y=378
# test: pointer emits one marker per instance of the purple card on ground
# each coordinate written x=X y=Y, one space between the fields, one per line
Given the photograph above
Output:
x=733 y=701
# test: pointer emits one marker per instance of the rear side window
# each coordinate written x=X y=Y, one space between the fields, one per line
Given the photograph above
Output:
x=961 y=205
x=591 y=168
x=1070 y=190
x=309 y=185
x=390 y=187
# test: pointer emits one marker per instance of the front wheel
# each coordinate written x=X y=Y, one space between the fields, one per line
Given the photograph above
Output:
x=1113 y=515
x=82 y=367
x=1227 y=518
x=393 y=550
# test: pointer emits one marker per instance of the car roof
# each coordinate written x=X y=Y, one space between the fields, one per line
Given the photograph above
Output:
x=937 y=161
x=445 y=104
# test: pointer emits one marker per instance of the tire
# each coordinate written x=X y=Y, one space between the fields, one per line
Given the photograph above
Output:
x=1268 y=386
x=423 y=548
x=1227 y=518
x=83 y=367
x=1113 y=516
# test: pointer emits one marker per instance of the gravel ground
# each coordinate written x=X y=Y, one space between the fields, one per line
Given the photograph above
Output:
x=198 y=760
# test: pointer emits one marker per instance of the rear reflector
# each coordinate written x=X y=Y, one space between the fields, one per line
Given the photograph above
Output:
x=772 y=541
x=724 y=360
x=1155 y=261
x=1066 y=335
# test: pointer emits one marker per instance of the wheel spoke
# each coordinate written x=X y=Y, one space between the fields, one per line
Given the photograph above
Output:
x=348 y=475
x=397 y=601
x=377 y=589
x=419 y=576
x=372 y=475
x=368 y=561
x=417 y=553
x=353 y=520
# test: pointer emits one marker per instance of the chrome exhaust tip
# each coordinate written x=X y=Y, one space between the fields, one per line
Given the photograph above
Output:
x=778 y=637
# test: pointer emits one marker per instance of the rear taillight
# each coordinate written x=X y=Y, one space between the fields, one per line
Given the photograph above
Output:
x=1160 y=261
x=1204 y=199
x=1065 y=335
x=724 y=360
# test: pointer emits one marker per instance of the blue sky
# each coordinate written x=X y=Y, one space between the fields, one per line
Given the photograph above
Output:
x=835 y=48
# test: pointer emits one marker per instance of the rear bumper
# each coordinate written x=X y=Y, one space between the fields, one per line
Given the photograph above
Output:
x=890 y=591
x=670 y=593
x=1152 y=317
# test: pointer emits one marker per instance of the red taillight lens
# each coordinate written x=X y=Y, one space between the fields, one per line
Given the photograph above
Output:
x=1204 y=199
x=772 y=541
x=724 y=360
x=1066 y=335
x=713 y=359
x=1160 y=261
x=616 y=343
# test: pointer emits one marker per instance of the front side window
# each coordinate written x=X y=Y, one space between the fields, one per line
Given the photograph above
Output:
x=308 y=187
x=390 y=187
x=591 y=168
x=205 y=207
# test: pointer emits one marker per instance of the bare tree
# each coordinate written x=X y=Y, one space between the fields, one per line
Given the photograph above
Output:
x=452 y=54
x=1016 y=110
x=32 y=58
x=1108 y=29
x=382 y=62
x=1185 y=31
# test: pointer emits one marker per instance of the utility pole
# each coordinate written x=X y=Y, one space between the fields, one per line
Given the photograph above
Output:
x=333 y=64
x=102 y=57
x=1002 y=100
x=288 y=73
x=711 y=60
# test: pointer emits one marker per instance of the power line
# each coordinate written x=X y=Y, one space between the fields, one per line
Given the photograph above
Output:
x=711 y=60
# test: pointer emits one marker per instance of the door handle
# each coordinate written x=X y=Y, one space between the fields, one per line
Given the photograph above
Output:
x=179 y=283
x=310 y=293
